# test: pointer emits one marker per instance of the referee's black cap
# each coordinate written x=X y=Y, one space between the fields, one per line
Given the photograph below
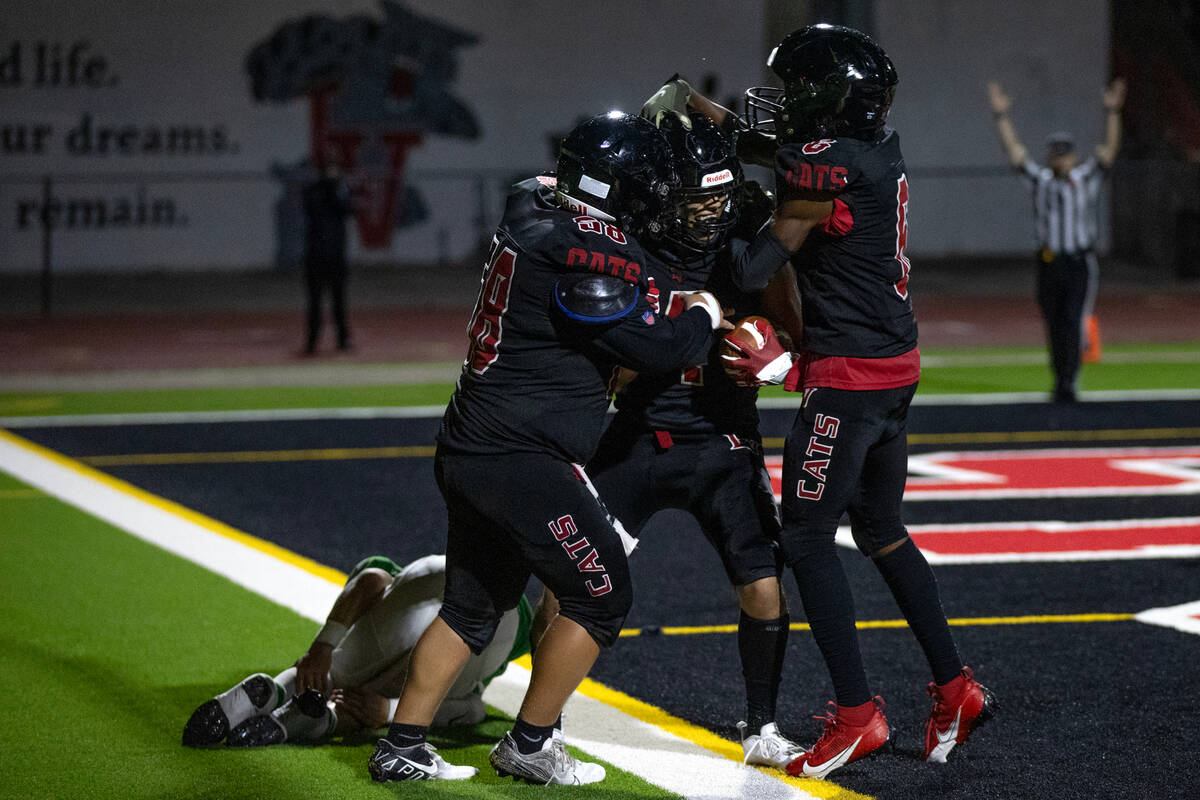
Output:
x=1060 y=144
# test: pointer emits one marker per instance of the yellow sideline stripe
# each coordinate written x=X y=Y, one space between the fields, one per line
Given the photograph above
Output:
x=247 y=456
x=774 y=442
x=196 y=518
x=597 y=691
x=653 y=715
x=995 y=437
x=1032 y=619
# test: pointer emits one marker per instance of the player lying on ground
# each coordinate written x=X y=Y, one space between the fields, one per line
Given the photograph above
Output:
x=359 y=661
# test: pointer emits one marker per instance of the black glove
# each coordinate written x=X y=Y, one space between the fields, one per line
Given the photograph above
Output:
x=757 y=206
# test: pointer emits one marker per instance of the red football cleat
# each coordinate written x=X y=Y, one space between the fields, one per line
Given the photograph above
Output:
x=959 y=707
x=841 y=743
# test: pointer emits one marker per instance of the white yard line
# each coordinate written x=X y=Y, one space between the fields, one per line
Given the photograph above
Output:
x=427 y=412
x=668 y=761
x=1026 y=359
x=658 y=756
x=1184 y=618
x=204 y=541
x=249 y=415
x=234 y=377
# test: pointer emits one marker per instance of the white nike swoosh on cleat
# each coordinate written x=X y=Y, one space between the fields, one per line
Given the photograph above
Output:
x=390 y=764
x=946 y=741
x=829 y=766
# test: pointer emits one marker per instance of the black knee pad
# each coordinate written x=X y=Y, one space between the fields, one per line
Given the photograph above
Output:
x=600 y=615
x=803 y=542
x=872 y=537
x=477 y=632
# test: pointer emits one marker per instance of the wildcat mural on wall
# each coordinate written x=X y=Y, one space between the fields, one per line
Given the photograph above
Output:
x=375 y=88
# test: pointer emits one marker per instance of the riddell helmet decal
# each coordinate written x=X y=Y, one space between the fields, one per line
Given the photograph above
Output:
x=717 y=178
x=580 y=207
x=375 y=88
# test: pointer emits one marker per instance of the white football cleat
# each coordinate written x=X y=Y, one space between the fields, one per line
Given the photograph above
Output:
x=551 y=764
x=768 y=747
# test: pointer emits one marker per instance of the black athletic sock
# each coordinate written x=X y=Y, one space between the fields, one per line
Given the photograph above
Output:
x=915 y=588
x=761 y=644
x=530 y=738
x=406 y=735
x=829 y=606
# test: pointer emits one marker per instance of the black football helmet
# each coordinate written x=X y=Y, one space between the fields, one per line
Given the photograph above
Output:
x=836 y=82
x=708 y=199
x=617 y=167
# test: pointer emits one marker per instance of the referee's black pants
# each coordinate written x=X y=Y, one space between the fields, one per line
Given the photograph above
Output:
x=1065 y=292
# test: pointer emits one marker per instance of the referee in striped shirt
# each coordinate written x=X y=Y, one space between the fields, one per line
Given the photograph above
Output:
x=1066 y=213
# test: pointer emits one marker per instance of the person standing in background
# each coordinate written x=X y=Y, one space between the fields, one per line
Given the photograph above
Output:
x=327 y=204
x=1066 y=212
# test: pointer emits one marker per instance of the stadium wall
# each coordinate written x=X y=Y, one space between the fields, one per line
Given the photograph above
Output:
x=137 y=135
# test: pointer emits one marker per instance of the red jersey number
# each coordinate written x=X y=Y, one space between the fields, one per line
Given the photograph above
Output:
x=901 y=286
x=487 y=321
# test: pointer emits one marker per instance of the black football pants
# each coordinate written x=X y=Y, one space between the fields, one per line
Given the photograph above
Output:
x=317 y=279
x=720 y=480
x=519 y=514
x=1065 y=292
x=847 y=452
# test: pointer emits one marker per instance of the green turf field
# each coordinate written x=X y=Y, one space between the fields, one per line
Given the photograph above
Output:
x=109 y=643
x=1128 y=367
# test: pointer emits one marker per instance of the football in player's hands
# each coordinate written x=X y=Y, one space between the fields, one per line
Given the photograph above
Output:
x=752 y=355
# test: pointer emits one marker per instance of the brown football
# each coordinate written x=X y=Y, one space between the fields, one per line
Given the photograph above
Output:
x=745 y=336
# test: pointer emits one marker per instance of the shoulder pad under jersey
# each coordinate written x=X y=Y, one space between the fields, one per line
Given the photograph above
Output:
x=593 y=298
x=581 y=243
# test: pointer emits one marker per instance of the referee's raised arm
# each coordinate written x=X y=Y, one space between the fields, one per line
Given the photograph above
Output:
x=1114 y=99
x=1001 y=103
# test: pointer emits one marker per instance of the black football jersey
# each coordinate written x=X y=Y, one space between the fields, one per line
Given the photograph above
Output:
x=853 y=271
x=696 y=399
x=536 y=380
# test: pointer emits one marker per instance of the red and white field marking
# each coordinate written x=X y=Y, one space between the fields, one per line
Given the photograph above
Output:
x=1049 y=473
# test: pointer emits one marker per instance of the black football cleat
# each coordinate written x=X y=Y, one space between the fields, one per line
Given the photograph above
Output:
x=259 y=731
x=212 y=721
x=208 y=725
x=311 y=703
x=418 y=762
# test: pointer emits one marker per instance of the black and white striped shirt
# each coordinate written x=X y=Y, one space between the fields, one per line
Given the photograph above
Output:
x=1066 y=209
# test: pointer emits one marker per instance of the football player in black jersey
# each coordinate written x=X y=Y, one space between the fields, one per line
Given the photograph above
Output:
x=688 y=439
x=563 y=300
x=842 y=210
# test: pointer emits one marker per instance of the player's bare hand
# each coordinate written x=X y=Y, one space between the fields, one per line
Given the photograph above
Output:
x=312 y=668
x=1114 y=95
x=999 y=101
x=367 y=708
